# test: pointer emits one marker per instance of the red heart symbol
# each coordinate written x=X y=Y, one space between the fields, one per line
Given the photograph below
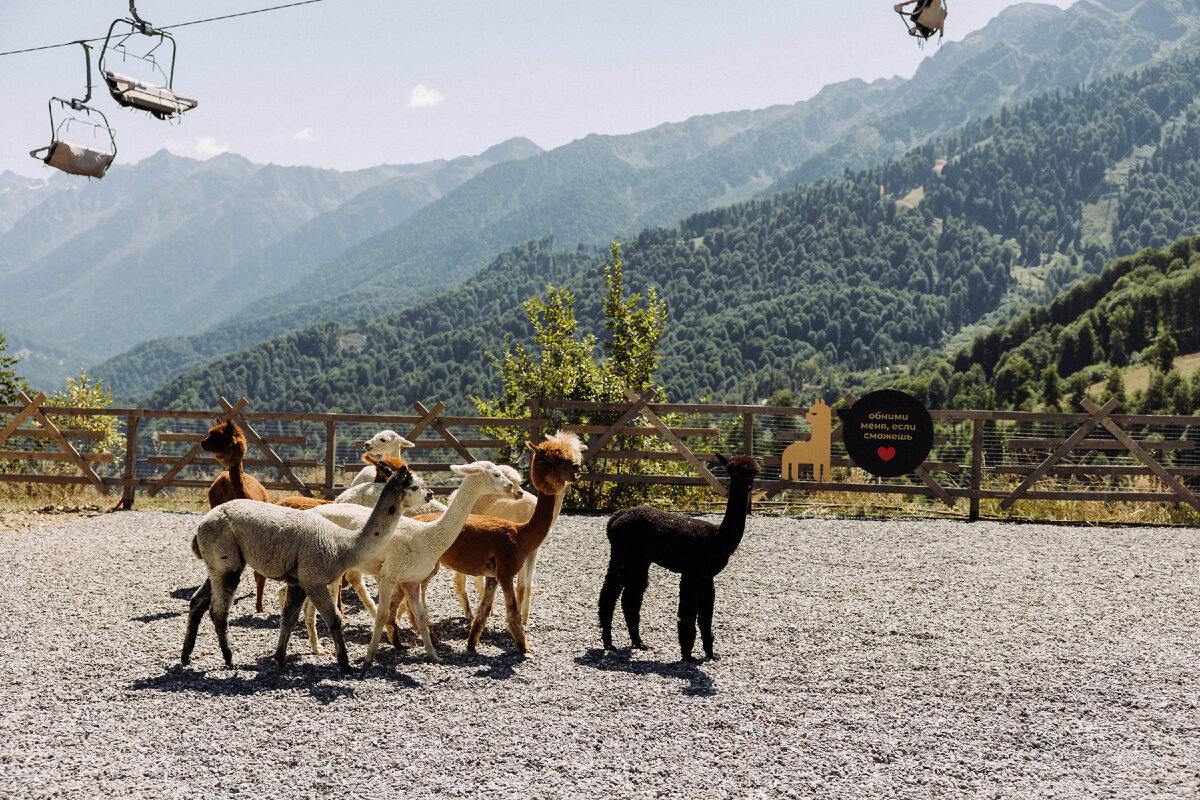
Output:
x=886 y=453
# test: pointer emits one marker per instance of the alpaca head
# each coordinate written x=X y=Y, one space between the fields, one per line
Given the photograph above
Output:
x=402 y=486
x=740 y=468
x=393 y=462
x=555 y=462
x=386 y=443
x=497 y=480
x=225 y=441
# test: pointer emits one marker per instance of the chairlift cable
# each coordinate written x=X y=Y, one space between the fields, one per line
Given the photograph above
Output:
x=166 y=27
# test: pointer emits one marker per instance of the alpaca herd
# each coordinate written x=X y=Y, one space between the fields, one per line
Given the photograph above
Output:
x=387 y=525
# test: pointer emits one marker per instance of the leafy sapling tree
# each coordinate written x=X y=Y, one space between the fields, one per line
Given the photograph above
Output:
x=561 y=364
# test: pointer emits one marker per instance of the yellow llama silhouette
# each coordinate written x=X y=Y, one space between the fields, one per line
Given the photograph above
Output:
x=814 y=452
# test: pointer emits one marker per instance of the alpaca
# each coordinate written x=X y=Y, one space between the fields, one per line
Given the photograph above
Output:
x=413 y=553
x=346 y=513
x=290 y=545
x=227 y=443
x=815 y=451
x=695 y=548
x=497 y=548
x=301 y=502
x=384 y=443
x=518 y=511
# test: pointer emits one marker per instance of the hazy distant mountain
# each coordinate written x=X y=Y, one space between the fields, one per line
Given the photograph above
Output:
x=172 y=245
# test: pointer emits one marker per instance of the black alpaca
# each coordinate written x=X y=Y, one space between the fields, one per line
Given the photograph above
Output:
x=695 y=548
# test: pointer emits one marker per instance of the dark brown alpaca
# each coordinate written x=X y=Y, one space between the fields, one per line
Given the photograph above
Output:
x=227 y=443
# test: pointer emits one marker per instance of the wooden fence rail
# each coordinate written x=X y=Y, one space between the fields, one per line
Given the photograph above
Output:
x=1095 y=456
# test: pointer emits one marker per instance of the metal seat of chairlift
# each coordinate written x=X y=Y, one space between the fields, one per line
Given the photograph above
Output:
x=76 y=159
x=158 y=100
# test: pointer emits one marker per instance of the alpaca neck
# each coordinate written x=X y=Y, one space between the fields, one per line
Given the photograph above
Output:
x=443 y=531
x=733 y=525
x=531 y=535
x=375 y=533
x=238 y=479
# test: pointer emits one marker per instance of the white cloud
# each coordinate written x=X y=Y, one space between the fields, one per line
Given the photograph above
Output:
x=202 y=147
x=306 y=135
x=423 y=97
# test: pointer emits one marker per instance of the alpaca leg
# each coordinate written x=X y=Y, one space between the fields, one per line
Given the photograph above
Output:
x=481 y=614
x=416 y=605
x=637 y=577
x=480 y=585
x=222 y=598
x=460 y=591
x=382 y=616
x=201 y=599
x=310 y=626
x=356 y=583
x=260 y=583
x=614 y=581
x=689 y=600
x=335 y=590
x=707 y=598
x=512 y=615
x=328 y=611
x=293 y=602
x=525 y=585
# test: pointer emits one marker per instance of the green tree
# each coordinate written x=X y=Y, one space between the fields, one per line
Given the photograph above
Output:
x=1114 y=386
x=1162 y=352
x=562 y=364
x=1051 y=388
x=10 y=382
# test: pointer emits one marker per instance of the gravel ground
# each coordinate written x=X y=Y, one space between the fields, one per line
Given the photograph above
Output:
x=859 y=659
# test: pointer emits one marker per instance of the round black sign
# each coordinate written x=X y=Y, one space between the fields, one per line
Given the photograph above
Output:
x=887 y=433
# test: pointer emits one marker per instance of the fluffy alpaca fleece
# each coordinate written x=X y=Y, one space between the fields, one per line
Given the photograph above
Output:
x=301 y=502
x=696 y=549
x=384 y=443
x=227 y=443
x=497 y=548
x=514 y=510
x=413 y=553
x=291 y=545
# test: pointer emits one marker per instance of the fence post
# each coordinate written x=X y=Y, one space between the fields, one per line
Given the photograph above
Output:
x=748 y=434
x=976 y=469
x=330 y=455
x=131 y=454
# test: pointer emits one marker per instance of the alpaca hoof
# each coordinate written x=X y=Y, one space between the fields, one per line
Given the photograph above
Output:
x=348 y=669
x=713 y=656
x=688 y=659
x=640 y=645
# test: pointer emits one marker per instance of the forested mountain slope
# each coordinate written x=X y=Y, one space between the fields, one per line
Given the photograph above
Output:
x=603 y=187
x=1143 y=308
x=857 y=273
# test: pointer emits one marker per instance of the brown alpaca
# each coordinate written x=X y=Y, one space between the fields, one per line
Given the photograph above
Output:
x=227 y=443
x=497 y=548
x=301 y=502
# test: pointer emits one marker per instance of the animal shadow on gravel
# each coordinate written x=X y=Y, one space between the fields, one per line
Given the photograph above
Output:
x=699 y=684
x=315 y=678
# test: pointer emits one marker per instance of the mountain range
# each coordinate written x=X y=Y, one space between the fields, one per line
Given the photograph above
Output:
x=92 y=269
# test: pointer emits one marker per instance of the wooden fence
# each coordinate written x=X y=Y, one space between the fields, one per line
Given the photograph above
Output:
x=1095 y=456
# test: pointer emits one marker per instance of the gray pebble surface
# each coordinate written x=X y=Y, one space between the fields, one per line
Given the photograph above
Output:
x=859 y=659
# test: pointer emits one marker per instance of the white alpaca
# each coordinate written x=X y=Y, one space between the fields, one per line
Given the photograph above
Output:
x=290 y=545
x=412 y=555
x=514 y=510
x=384 y=443
x=350 y=510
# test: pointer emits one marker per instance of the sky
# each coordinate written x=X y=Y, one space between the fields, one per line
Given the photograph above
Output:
x=348 y=84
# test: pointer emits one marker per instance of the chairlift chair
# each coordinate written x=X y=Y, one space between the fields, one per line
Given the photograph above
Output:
x=131 y=92
x=928 y=18
x=76 y=158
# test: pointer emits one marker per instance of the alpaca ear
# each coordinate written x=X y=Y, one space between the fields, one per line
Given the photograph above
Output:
x=405 y=443
x=724 y=461
x=466 y=469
